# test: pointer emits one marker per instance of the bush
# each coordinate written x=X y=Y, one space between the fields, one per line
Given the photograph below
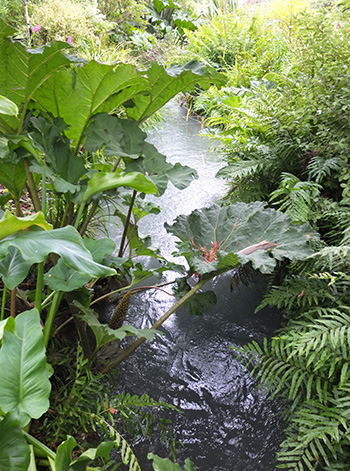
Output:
x=61 y=19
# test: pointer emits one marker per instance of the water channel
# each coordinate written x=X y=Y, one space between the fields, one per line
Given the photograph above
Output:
x=226 y=424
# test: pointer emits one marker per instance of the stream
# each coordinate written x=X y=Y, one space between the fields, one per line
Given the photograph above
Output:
x=226 y=423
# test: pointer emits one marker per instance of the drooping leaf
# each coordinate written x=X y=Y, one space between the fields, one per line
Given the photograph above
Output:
x=13 y=177
x=237 y=227
x=63 y=278
x=154 y=165
x=14 y=450
x=13 y=268
x=102 y=181
x=166 y=83
x=10 y=224
x=103 y=334
x=35 y=246
x=76 y=95
x=49 y=138
x=117 y=137
x=8 y=107
x=25 y=389
x=201 y=302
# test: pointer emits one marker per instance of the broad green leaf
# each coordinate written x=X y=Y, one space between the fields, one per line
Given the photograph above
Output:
x=64 y=454
x=154 y=165
x=25 y=389
x=7 y=324
x=13 y=177
x=36 y=245
x=163 y=464
x=103 y=334
x=6 y=30
x=49 y=138
x=14 y=450
x=102 y=181
x=237 y=227
x=166 y=83
x=8 y=107
x=63 y=278
x=26 y=72
x=10 y=224
x=13 y=268
x=76 y=95
x=117 y=137
x=189 y=466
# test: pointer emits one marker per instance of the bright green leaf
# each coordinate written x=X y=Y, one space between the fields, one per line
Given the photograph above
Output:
x=13 y=268
x=10 y=224
x=25 y=389
x=14 y=450
x=163 y=464
x=8 y=107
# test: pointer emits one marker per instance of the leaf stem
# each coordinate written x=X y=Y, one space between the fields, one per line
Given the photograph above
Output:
x=3 y=301
x=127 y=222
x=39 y=286
x=40 y=446
x=31 y=186
x=51 y=316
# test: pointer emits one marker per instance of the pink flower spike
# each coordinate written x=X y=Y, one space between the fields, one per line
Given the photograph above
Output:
x=69 y=40
x=36 y=29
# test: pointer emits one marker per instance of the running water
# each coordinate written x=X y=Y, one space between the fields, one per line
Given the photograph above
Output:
x=226 y=424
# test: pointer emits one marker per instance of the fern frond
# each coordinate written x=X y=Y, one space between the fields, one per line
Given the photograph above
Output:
x=321 y=167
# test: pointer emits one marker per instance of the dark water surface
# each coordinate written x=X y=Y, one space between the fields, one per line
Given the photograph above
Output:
x=226 y=423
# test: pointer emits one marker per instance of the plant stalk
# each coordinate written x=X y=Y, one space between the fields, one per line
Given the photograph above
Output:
x=13 y=303
x=51 y=316
x=128 y=351
x=39 y=286
x=29 y=31
x=127 y=222
x=31 y=187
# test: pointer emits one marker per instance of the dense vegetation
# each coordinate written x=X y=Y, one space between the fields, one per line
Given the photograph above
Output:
x=273 y=88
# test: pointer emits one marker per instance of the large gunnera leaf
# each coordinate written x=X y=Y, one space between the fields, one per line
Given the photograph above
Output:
x=25 y=388
x=220 y=238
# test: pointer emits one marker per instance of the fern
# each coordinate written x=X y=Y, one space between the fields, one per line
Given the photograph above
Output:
x=321 y=167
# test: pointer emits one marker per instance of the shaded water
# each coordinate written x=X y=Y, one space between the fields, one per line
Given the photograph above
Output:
x=226 y=423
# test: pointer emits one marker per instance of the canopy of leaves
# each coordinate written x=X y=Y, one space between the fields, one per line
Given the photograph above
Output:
x=237 y=227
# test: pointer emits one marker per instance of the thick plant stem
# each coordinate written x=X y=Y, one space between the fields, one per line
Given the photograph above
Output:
x=40 y=446
x=31 y=187
x=4 y=292
x=128 y=351
x=51 y=316
x=39 y=286
x=127 y=222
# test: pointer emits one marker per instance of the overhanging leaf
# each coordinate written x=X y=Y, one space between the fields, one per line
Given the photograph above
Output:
x=102 y=181
x=35 y=246
x=10 y=224
x=14 y=450
x=166 y=83
x=25 y=388
x=117 y=137
x=234 y=228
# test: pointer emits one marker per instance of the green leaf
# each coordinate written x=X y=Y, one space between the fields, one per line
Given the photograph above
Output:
x=166 y=83
x=7 y=324
x=189 y=466
x=163 y=464
x=49 y=138
x=35 y=246
x=237 y=227
x=10 y=224
x=102 y=181
x=26 y=72
x=154 y=165
x=117 y=137
x=76 y=95
x=13 y=268
x=8 y=107
x=64 y=454
x=201 y=302
x=13 y=177
x=25 y=389
x=14 y=450
x=103 y=334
